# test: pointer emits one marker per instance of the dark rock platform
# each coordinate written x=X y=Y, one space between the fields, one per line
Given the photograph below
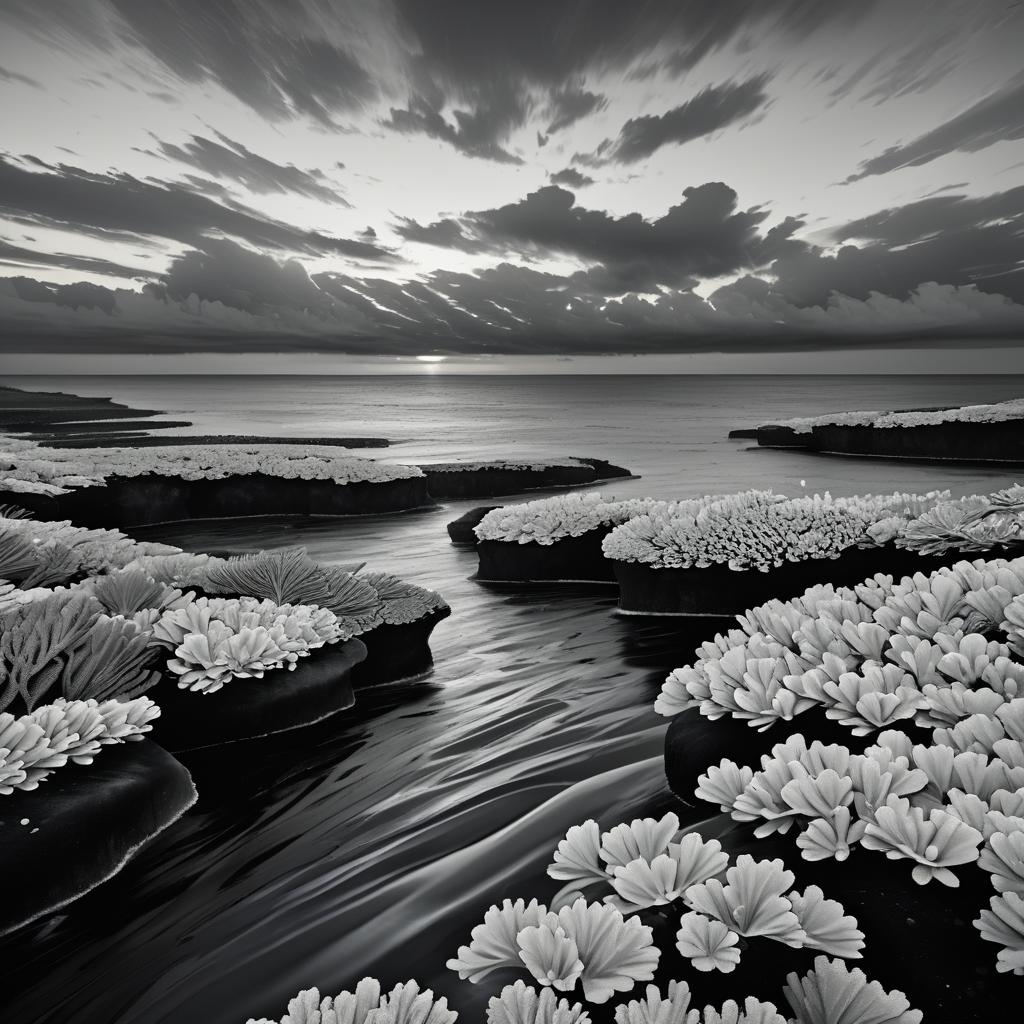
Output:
x=319 y=686
x=84 y=823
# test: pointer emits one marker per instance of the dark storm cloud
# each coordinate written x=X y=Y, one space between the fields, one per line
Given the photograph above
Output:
x=120 y=205
x=274 y=55
x=711 y=110
x=473 y=132
x=80 y=295
x=487 y=61
x=229 y=159
x=952 y=240
x=16 y=256
x=446 y=234
x=569 y=105
x=704 y=235
x=238 y=277
x=996 y=118
x=571 y=177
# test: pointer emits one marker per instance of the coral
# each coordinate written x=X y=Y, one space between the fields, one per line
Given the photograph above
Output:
x=548 y=520
x=404 y=1004
x=36 y=744
x=290 y=576
x=644 y=838
x=760 y=530
x=217 y=639
x=708 y=944
x=616 y=952
x=402 y=601
x=936 y=841
x=751 y=903
x=494 y=943
x=63 y=641
x=1003 y=922
x=521 y=1004
x=642 y=883
x=57 y=470
x=831 y=993
x=586 y=943
x=825 y=927
x=129 y=591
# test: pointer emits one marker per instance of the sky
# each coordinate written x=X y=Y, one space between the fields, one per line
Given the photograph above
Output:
x=747 y=183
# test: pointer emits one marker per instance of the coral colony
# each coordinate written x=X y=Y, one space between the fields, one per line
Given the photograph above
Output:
x=924 y=674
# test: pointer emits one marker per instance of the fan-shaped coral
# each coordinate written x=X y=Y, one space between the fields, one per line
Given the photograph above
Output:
x=521 y=1004
x=833 y=994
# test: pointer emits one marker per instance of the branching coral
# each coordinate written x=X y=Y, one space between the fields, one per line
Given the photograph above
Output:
x=64 y=643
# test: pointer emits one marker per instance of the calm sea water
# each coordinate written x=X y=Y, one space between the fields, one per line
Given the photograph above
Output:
x=372 y=844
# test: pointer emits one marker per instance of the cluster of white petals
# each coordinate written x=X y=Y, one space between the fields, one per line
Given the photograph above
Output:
x=94 y=550
x=60 y=470
x=761 y=530
x=66 y=731
x=218 y=639
x=649 y=863
x=995 y=412
x=547 y=520
x=980 y=522
x=406 y=1003
x=939 y=654
x=587 y=944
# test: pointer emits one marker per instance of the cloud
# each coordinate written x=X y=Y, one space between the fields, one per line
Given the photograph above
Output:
x=446 y=233
x=569 y=105
x=711 y=110
x=282 y=59
x=571 y=177
x=494 y=64
x=15 y=76
x=120 y=205
x=231 y=160
x=998 y=117
x=705 y=235
x=953 y=240
x=474 y=132
x=17 y=256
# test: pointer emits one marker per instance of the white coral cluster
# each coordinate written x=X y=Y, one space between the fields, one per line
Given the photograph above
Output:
x=216 y=640
x=59 y=470
x=603 y=948
x=548 y=520
x=761 y=530
x=406 y=1003
x=94 y=550
x=995 y=412
x=942 y=652
x=51 y=736
x=975 y=523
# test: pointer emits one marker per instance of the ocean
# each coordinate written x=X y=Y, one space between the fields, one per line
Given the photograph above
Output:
x=373 y=843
